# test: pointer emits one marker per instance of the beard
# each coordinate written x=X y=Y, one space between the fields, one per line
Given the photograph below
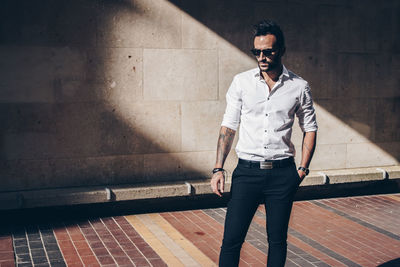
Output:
x=265 y=66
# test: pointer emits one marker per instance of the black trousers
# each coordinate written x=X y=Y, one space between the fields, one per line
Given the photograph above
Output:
x=250 y=187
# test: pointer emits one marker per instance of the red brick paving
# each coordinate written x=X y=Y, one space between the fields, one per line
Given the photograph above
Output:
x=68 y=250
x=343 y=236
x=6 y=251
x=377 y=211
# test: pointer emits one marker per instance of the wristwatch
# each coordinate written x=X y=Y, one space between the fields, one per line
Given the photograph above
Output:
x=306 y=170
x=215 y=170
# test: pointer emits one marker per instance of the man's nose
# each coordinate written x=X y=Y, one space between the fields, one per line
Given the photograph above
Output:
x=262 y=55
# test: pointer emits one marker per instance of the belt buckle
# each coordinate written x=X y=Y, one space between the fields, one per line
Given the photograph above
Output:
x=266 y=165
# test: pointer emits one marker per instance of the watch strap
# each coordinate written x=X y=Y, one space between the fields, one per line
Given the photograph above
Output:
x=305 y=170
x=215 y=170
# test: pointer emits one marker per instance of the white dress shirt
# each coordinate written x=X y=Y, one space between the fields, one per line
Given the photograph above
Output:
x=266 y=118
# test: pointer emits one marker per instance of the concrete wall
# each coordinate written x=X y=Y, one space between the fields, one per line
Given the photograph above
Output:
x=118 y=92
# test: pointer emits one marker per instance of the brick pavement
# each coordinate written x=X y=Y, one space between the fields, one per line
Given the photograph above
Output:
x=353 y=231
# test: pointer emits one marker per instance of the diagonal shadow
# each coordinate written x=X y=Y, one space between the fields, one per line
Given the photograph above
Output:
x=349 y=53
x=61 y=125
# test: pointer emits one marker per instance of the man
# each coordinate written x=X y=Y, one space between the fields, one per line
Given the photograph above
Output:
x=264 y=102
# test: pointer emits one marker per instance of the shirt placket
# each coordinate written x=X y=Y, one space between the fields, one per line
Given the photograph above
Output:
x=268 y=111
x=266 y=125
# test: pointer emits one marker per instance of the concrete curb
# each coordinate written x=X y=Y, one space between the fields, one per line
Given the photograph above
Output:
x=102 y=194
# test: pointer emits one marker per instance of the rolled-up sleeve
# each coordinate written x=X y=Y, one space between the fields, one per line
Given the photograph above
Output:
x=306 y=111
x=233 y=106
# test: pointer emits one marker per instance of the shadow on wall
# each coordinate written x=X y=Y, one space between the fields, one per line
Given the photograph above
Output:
x=348 y=52
x=61 y=84
x=74 y=112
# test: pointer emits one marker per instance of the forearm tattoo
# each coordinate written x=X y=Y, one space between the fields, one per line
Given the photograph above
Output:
x=225 y=141
x=309 y=141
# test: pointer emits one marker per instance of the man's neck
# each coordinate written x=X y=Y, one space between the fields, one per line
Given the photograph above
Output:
x=272 y=75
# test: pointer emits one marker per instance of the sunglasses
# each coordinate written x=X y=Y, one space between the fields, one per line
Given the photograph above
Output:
x=266 y=52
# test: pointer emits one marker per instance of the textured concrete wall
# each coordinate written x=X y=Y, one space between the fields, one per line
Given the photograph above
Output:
x=112 y=92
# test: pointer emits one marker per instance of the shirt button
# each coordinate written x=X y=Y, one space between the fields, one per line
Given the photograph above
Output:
x=266 y=114
x=265 y=147
x=268 y=98
x=265 y=130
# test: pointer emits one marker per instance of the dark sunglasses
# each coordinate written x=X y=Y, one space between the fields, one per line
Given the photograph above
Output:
x=266 y=52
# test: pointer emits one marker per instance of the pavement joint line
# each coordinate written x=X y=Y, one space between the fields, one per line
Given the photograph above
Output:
x=322 y=248
x=372 y=217
x=139 y=249
x=114 y=237
x=166 y=255
x=104 y=245
x=16 y=251
x=357 y=220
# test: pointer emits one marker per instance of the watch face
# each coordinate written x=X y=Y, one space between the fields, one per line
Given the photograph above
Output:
x=304 y=170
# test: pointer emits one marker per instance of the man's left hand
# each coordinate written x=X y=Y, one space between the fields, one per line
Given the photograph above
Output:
x=302 y=174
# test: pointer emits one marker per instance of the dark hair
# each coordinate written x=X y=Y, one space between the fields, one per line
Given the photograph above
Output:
x=265 y=27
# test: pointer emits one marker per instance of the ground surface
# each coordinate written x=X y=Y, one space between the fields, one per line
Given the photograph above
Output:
x=354 y=231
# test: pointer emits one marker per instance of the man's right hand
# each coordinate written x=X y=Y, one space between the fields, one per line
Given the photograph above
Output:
x=218 y=183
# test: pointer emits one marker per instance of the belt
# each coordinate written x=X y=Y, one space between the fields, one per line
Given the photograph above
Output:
x=267 y=164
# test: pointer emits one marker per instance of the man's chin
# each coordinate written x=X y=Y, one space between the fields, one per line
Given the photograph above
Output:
x=264 y=68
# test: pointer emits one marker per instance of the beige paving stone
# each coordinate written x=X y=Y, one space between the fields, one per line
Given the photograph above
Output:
x=201 y=122
x=141 y=23
x=188 y=74
x=370 y=154
x=179 y=239
x=153 y=241
x=167 y=241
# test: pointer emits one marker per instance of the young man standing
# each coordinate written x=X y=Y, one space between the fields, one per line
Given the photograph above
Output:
x=263 y=101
